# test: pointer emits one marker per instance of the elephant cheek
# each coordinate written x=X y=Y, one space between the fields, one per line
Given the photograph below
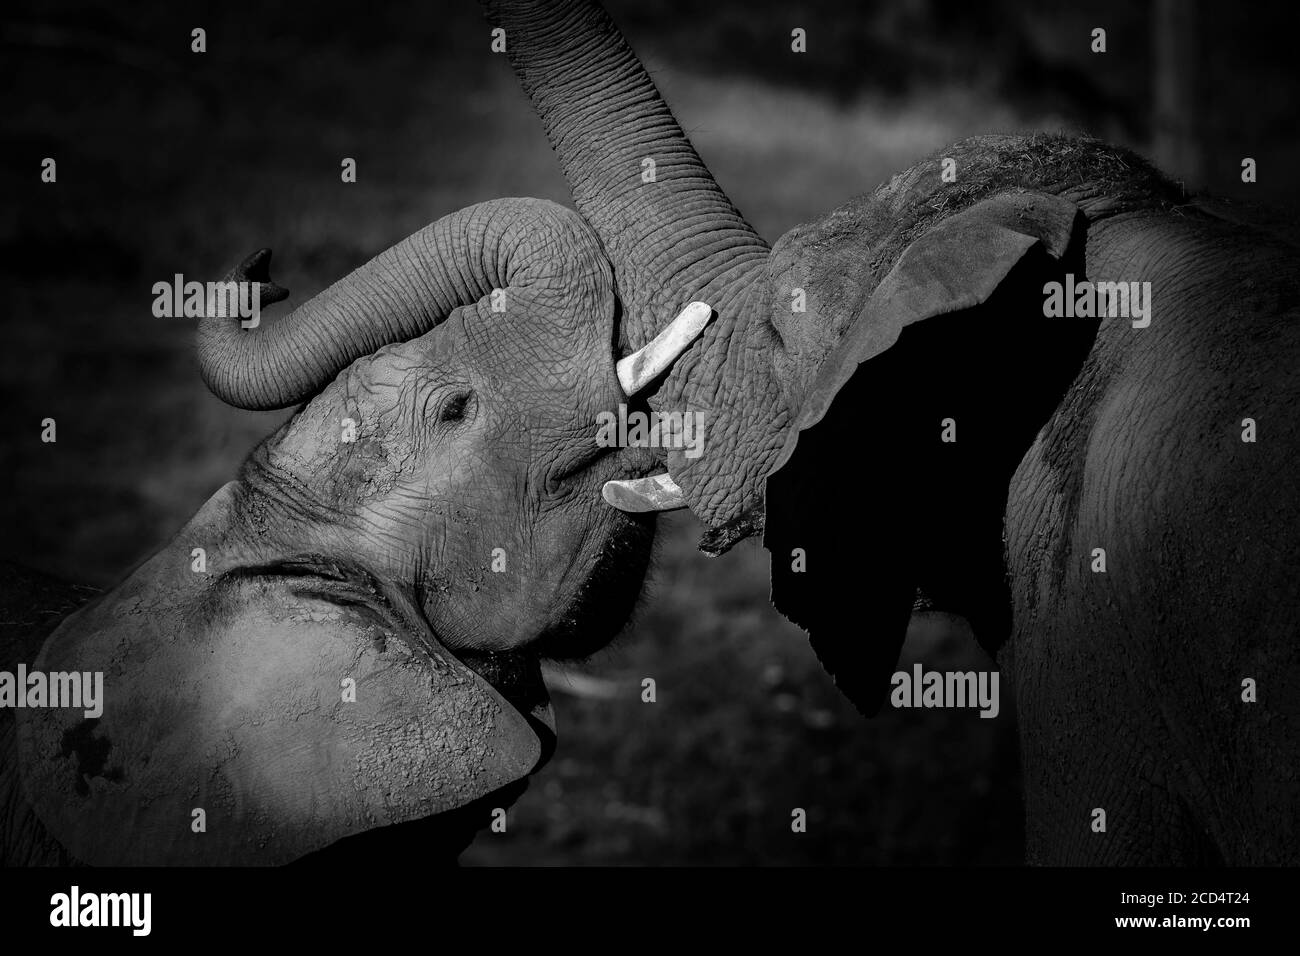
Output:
x=290 y=725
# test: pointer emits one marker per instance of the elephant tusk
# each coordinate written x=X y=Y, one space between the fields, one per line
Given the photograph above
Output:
x=656 y=493
x=643 y=366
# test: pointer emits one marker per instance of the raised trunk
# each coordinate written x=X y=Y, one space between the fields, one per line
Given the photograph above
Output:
x=673 y=238
x=399 y=295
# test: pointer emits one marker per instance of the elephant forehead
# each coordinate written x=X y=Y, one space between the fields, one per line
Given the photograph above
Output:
x=369 y=428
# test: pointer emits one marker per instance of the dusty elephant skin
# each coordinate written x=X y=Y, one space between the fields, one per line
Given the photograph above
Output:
x=924 y=301
x=359 y=648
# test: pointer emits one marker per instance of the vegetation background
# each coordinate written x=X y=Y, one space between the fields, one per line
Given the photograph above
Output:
x=170 y=161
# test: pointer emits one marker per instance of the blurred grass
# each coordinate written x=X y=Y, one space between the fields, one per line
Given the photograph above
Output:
x=745 y=728
x=174 y=162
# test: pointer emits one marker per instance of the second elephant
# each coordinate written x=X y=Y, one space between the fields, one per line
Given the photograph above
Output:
x=898 y=392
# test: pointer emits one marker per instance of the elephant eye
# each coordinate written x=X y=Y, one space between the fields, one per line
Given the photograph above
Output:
x=453 y=410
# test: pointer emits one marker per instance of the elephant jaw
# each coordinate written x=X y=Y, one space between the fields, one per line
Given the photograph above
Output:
x=517 y=677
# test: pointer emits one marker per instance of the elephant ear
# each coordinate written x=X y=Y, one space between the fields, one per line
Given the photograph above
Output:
x=867 y=503
x=256 y=725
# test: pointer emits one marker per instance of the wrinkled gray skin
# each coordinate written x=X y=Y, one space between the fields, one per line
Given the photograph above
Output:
x=1128 y=684
x=374 y=560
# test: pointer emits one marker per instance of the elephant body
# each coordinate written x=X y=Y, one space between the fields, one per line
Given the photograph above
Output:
x=1128 y=680
x=1129 y=683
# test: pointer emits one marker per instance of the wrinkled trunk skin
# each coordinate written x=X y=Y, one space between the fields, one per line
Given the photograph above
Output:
x=399 y=295
x=672 y=241
x=673 y=237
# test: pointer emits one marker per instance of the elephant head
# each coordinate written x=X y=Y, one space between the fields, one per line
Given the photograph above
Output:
x=346 y=636
x=933 y=286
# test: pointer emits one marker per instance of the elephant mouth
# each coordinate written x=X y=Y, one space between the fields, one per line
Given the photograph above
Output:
x=517 y=677
x=602 y=593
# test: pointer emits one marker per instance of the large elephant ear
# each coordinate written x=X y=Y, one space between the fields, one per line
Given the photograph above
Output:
x=867 y=501
x=255 y=726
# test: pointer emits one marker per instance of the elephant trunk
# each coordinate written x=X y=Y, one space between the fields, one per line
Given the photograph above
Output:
x=670 y=230
x=673 y=236
x=399 y=295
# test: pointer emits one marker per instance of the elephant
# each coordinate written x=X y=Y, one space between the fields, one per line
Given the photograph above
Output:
x=897 y=407
x=346 y=637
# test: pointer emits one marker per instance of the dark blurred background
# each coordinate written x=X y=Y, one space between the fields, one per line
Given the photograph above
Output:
x=170 y=161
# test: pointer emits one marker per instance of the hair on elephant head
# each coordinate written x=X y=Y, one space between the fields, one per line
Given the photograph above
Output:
x=347 y=635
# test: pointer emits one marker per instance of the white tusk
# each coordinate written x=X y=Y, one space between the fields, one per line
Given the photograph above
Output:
x=656 y=493
x=646 y=364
